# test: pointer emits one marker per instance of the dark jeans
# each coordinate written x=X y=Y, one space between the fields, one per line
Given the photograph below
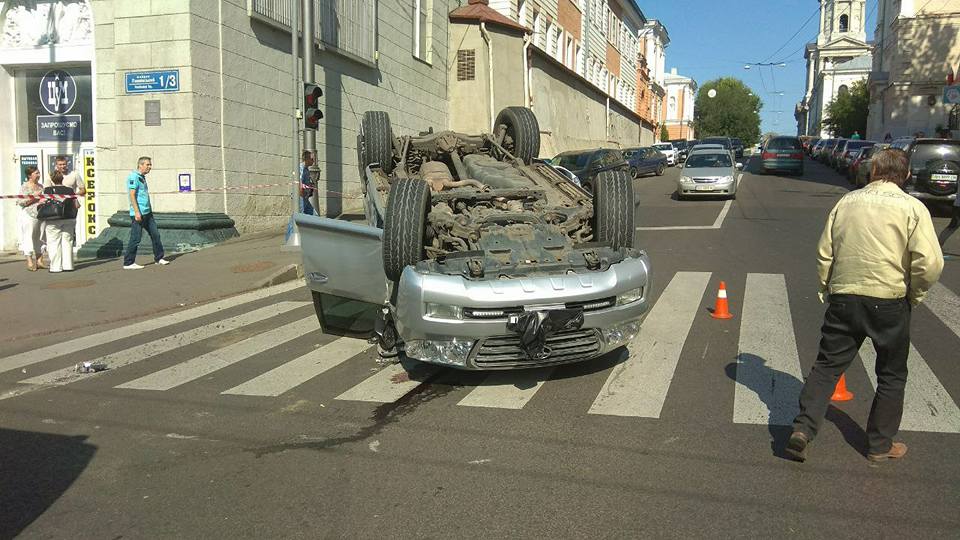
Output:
x=305 y=205
x=848 y=321
x=136 y=231
x=951 y=227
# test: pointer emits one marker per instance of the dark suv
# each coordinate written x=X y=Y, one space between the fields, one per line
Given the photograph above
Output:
x=587 y=164
x=934 y=168
x=737 y=147
x=645 y=161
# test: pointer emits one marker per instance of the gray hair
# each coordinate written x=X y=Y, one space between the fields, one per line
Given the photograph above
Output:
x=144 y=159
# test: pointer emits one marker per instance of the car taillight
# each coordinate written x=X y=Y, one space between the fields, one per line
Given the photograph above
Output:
x=796 y=156
x=768 y=155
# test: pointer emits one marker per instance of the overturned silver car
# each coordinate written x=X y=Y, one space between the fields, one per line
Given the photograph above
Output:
x=475 y=256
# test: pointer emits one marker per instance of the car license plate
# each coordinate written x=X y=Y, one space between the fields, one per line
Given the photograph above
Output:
x=704 y=188
x=943 y=177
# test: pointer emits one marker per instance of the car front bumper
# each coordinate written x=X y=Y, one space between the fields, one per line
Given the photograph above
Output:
x=472 y=342
x=693 y=189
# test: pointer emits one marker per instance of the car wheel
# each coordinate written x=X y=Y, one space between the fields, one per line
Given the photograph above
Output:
x=613 y=209
x=404 y=225
x=660 y=170
x=522 y=137
x=376 y=141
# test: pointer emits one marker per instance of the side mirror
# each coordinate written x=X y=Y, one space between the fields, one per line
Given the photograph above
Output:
x=739 y=166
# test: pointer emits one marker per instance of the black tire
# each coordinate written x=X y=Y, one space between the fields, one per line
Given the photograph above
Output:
x=660 y=170
x=523 y=133
x=613 y=209
x=404 y=224
x=377 y=144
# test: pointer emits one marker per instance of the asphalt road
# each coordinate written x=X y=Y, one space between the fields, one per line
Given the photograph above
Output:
x=184 y=437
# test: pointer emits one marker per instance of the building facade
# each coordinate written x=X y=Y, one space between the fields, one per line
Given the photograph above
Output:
x=917 y=48
x=679 y=105
x=840 y=57
x=654 y=40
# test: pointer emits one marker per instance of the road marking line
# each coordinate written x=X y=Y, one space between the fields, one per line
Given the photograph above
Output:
x=716 y=224
x=945 y=305
x=74 y=346
x=390 y=383
x=300 y=370
x=927 y=406
x=638 y=386
x=507 y=389
x=769 y=376
x=205 y=364
x=159 y=346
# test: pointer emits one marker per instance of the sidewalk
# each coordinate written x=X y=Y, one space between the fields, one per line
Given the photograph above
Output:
x=101 y=291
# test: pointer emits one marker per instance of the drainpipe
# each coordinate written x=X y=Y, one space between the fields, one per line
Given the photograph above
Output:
x=606 y=121
x=526 y=70
x=486 y=37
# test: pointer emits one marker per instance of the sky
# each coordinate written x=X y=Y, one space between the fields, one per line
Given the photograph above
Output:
x=716 y=38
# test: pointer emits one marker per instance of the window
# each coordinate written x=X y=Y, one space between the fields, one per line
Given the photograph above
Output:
x=570 y=58
x=551 y=43
x=537 y=29
x=522 y=12
x=466 y=64
x=558 y=45
x=579 y=59
x=346 y=26
x=844 y=23
x=422 y=19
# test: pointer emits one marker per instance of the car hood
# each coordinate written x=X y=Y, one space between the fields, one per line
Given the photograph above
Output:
x=708 y=172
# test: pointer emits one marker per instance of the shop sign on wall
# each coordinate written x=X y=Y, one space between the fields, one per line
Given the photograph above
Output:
x=64 y=127
x=144 y=82
x=58 y=95
x=90 y=184
x=27 y=161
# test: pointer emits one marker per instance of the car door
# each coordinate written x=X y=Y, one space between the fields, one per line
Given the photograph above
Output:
x=343 y=268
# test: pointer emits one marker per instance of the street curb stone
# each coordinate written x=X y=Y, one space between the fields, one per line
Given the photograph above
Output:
x=287 y=273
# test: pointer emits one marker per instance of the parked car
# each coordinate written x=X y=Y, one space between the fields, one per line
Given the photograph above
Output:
x=934 y=168
x=683 y=148
x=737 y=148
x=587 y=165
x=782 y=154
x=902 y=143
x=562 y=170
x=862 y=177
x=669 y=151
x=826 y=149
x=834 y=156
x=816 y=147
x=645 y=160
x=708 y=172
x=845 y=155
x=473 y=256
x=808 y=143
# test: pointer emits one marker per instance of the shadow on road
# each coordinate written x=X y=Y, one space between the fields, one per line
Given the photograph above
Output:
x=767 y=383
x=35 y=470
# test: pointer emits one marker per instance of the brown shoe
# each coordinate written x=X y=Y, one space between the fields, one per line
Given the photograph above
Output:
x=797 y=446
x=897 y=451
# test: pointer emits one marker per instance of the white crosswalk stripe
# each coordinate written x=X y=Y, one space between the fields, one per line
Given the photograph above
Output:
x=390 y=383
x=206 y=364
x=768 y=364
x=638 y=386
x=300 y=370
x=74 y=346
x=507 y=389
x=159 y=346
x=945 y=305
x=927 y=406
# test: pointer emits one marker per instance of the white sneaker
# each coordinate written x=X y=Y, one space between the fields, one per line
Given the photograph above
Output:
x=133 y=266
x=163 y=262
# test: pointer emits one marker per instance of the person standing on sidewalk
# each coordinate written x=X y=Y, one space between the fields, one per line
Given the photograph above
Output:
x=141 y=216
x=306 y=183
x=71 y=179
x=59 y=225
x=30 y=225
x=876 y=259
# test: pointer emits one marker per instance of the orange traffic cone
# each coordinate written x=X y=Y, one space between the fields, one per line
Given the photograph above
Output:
x=721 y=310
x=840 y=392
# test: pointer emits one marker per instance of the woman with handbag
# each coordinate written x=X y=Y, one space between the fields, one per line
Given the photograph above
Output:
x=60 y=220
x=29 y=224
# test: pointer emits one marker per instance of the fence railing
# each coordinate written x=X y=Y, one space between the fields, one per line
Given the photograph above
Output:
x=347 y=25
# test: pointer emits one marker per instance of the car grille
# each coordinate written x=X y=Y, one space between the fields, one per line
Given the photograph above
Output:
x=504 y=312
x=705 y=180
x=503 y=352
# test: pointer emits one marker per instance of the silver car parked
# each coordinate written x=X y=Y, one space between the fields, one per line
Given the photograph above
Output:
x=708 y=172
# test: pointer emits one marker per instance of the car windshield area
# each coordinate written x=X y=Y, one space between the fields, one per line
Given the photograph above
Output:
x=725 y=142
x=572 y=161
x=680 y=145
x=663 y=147
x=736 y=142
x=924 y=154
x=706 y=161
x=610 y=157
x=784 y=143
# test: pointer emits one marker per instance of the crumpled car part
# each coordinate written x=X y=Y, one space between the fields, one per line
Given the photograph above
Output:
x=534 y=327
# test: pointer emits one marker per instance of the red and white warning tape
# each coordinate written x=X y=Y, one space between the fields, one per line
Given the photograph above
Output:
x=205 y=190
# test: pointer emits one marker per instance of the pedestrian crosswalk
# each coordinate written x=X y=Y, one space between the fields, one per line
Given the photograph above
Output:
x=763 y=390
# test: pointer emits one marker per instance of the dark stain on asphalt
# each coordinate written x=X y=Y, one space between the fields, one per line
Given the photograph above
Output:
x=382 y=416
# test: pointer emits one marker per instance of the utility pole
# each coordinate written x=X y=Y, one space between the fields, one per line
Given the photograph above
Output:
x=309 y=76
x=293 y=235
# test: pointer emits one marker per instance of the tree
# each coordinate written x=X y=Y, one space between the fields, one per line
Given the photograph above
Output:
x=732 y=112
x=664 y=133
x=848 y=111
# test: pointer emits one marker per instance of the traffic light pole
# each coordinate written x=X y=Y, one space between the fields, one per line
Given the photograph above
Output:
x=293 y=235
x=309 y=75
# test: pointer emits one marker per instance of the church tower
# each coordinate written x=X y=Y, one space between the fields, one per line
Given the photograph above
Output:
x=842 y=19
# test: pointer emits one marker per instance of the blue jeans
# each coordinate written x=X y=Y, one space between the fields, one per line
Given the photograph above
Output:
x=305 y=206
x=136 y=230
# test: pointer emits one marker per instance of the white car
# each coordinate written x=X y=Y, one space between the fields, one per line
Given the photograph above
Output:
x=668 y=150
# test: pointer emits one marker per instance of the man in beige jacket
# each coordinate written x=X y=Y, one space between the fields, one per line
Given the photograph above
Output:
x=877 y=258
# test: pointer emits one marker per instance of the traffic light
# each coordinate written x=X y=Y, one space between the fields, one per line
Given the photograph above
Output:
x=311 y=106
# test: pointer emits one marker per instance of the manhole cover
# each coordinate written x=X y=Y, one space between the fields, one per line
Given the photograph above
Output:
x=258 y=266
x=79 y=284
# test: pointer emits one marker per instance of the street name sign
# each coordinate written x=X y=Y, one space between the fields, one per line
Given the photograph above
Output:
x=146 y=82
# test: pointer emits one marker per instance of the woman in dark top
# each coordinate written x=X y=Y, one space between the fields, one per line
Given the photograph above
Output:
x=59 y=229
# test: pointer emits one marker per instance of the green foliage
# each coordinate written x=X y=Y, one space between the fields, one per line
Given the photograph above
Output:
x=664 y=133
x=848 y=111
x=733 y=112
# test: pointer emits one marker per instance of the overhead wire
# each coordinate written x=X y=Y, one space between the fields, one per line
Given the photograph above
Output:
x=795 y=34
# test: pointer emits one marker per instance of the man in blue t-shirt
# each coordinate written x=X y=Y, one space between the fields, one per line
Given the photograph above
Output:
x=141 y=216
x=306 y=183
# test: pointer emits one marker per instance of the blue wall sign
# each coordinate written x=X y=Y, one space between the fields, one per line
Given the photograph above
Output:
x=184 y=181
x=58 y=91
x=59 y=127
x=144 y=82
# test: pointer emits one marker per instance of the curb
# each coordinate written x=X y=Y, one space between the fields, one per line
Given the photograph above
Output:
x=287 y=273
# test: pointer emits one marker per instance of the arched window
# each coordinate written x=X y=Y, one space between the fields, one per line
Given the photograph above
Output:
x=844 y=23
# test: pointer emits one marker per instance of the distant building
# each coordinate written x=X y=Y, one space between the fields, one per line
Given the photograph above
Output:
x=917 y=46
x=840 y=57
x=654 y=40
x=679 y=105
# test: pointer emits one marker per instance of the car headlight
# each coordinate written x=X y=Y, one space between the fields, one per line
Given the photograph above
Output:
x=630 y=296
x=452 y=352
x=443 y=311
x=686 y=179
x=725 y=180
x=622 y=333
